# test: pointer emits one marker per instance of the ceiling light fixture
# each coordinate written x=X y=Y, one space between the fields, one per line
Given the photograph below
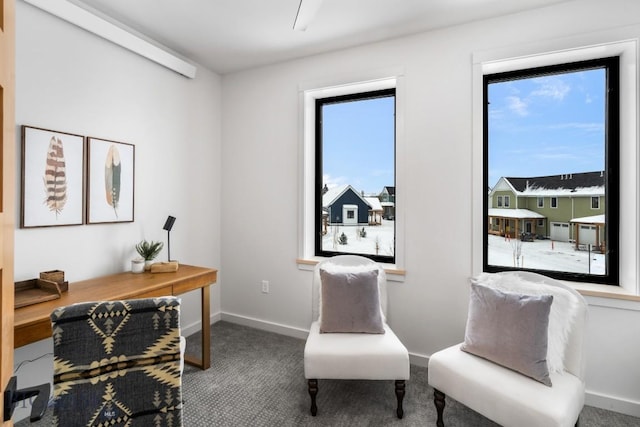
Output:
x=306 y=12
x=115 y=32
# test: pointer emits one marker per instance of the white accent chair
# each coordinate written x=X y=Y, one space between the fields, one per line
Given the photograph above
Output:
x=508 y=397
x=359 y=356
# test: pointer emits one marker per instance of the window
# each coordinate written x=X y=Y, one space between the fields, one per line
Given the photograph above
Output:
x=499 y=201
x=355 y=175
x=554 y=129
x=507 y=202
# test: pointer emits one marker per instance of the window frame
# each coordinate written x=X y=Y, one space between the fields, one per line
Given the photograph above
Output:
x=337 y=84
x=540 y=202
x=597 y=204
x=319 y=184
x=612 y=161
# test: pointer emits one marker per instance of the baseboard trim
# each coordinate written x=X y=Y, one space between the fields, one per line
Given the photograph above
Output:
x=196 y=326
x=266 y=326
x=419 y=359
x=612 y=403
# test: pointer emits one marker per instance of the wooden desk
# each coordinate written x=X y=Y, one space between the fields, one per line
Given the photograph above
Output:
x=32 y=323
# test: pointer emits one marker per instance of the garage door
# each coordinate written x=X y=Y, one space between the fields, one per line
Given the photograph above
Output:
x=560 y=231
x=587 y=234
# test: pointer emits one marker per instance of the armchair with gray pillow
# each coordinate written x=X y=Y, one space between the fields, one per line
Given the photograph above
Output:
x=349 y=337
x=522 y=361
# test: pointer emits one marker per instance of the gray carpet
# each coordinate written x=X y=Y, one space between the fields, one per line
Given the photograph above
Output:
x=257 y=379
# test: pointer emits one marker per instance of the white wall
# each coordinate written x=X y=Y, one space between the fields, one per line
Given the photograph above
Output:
x=70 y=80
x=261 y=179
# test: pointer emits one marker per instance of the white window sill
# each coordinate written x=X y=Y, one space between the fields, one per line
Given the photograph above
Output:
x=393 y=273
x=608 y=296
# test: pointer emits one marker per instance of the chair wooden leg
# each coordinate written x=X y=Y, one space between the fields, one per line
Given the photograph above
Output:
x=313 y=391
x=400 y=386
x=438 y=399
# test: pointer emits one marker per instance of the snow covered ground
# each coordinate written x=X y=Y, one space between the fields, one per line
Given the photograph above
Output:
x=380 y=235
x=539 y=254
x=544 y=255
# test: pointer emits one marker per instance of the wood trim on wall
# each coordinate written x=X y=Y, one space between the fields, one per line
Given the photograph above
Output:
x=7 y=196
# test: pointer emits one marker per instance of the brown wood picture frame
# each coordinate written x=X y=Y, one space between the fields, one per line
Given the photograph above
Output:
x=52 y=190
x=110 y=181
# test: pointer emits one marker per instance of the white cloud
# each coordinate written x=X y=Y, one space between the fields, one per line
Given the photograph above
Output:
x=551 y=87
x=517 y=105
x=588 y=127
x=332 y=182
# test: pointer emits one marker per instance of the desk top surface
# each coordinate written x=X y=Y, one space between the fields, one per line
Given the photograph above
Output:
x=124 y=285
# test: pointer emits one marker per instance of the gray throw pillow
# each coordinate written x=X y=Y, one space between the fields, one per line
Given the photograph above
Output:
x=350 y=302
x=509 y=329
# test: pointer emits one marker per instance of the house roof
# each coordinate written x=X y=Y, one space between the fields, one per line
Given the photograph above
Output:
x=584 y=183
x=390 y=190
x=514 y=213
x=595 y=219
x=334 y=194
x=374 y=202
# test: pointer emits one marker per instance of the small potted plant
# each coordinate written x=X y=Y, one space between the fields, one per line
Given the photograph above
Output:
x=148 y=251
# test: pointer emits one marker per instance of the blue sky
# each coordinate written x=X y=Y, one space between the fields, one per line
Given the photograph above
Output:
x=547 y=125
x=358 y=144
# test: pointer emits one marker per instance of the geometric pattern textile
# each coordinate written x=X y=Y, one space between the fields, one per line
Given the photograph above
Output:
x=117 y=363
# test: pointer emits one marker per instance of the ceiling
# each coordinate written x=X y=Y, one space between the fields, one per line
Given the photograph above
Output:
x=231 y=35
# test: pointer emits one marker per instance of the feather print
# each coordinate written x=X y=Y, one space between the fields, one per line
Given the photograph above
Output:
x=55 y=177
x=112 y=170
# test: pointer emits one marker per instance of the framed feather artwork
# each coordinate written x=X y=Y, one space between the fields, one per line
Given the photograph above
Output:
x=111 y=181
x=52 y=190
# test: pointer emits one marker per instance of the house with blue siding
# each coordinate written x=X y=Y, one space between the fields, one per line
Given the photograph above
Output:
x=344 y=205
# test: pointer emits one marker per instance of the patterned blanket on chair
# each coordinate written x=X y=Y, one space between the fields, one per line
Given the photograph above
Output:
x=117 y=363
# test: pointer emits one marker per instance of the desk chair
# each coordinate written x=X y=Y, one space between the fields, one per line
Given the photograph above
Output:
x=349 y=337
x=118 y=363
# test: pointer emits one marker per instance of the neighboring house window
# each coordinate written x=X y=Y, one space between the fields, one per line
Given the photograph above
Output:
x=499 y=201
x=355 y=161
x=540 y=222
x=507 y=202
x=559 y=124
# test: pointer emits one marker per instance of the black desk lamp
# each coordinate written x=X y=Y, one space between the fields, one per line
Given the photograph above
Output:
x=168 y=225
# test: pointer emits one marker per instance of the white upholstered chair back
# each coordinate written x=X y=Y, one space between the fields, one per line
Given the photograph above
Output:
x=344 y=262
x=574 y=355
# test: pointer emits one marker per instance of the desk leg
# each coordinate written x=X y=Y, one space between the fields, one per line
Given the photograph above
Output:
x=205 y=362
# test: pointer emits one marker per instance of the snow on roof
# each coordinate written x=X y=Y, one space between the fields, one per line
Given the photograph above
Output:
x=573 y=184
x=578 y=191
x=595 y=219
x=374 y=202
x=514 y=213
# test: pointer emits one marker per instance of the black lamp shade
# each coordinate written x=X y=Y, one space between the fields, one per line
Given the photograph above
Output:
x=168 y=225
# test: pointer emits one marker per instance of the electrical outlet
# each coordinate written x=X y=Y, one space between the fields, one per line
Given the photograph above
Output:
x=265 y=286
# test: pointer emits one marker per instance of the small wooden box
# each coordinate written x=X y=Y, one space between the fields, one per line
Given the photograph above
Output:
x=56 y=276
x=33 y=291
